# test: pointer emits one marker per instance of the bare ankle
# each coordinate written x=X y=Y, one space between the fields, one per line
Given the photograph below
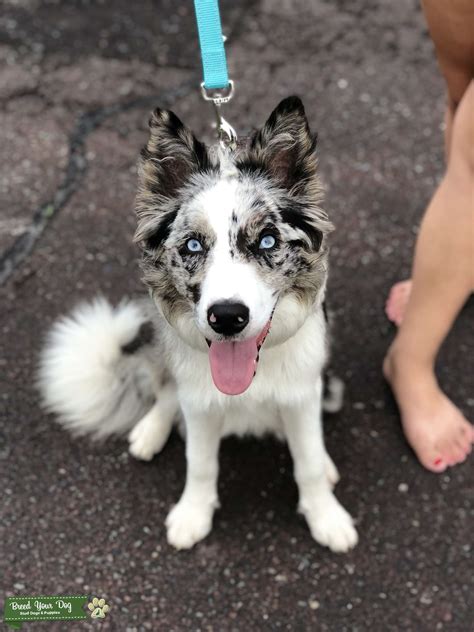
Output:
x=401 y=363
x=405 y=356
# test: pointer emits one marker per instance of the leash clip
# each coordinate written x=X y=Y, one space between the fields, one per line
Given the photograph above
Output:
x=218 y=96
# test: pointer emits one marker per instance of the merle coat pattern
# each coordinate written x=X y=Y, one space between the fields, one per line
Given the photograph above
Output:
x=235 y=258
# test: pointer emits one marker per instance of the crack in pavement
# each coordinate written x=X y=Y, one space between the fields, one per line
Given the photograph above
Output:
x=75 y=171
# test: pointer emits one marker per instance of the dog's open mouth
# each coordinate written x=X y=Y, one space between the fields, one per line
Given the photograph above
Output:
x=234 y=364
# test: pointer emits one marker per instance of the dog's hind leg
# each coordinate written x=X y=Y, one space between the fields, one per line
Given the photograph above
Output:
x=333 y=397
x=330 y=468
x=152 y=431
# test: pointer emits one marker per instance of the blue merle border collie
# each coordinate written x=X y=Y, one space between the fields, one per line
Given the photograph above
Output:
x=234 y=338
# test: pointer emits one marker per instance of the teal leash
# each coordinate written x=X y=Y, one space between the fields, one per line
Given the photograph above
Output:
x=216 y=87
x=214 y=63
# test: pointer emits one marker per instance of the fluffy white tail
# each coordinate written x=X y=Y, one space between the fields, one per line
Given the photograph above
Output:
x=93 y=373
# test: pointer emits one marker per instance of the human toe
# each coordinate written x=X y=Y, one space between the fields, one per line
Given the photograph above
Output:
x=432 y=459
x=455 y=454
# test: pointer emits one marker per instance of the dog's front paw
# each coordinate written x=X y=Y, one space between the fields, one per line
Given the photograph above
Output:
x=187 y=523
x=332 y=526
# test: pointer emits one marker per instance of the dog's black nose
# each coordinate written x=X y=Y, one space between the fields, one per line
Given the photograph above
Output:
x=228 y=319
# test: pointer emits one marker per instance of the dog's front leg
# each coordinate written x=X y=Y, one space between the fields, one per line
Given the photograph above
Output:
x=191 y=519
x=329 y=522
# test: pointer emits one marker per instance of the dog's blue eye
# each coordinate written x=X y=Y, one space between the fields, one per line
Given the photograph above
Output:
x=193 y=245
x=267 y=242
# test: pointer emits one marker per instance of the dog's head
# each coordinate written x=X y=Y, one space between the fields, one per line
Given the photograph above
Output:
x=230 y=237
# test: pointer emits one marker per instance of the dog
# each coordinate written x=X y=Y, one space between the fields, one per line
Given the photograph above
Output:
x=234 y=338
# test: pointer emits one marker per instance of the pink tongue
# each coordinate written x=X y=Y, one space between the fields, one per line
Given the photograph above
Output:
x=233 y=365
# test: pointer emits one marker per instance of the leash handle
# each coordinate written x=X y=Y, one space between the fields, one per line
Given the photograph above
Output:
x=216 y=86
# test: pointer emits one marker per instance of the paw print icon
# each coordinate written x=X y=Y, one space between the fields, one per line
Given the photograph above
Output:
x=98 y=608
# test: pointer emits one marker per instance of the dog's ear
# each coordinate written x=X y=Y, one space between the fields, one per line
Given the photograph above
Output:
x=285 y=148
x=171 y=155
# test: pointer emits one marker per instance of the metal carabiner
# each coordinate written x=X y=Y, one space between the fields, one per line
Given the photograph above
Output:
x=225 y=132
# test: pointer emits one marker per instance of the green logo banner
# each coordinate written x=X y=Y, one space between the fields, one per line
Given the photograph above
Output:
x=58 y=608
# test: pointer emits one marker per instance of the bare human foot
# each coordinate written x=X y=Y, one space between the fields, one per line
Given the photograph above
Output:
x=436 y=430
x=397 y=301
